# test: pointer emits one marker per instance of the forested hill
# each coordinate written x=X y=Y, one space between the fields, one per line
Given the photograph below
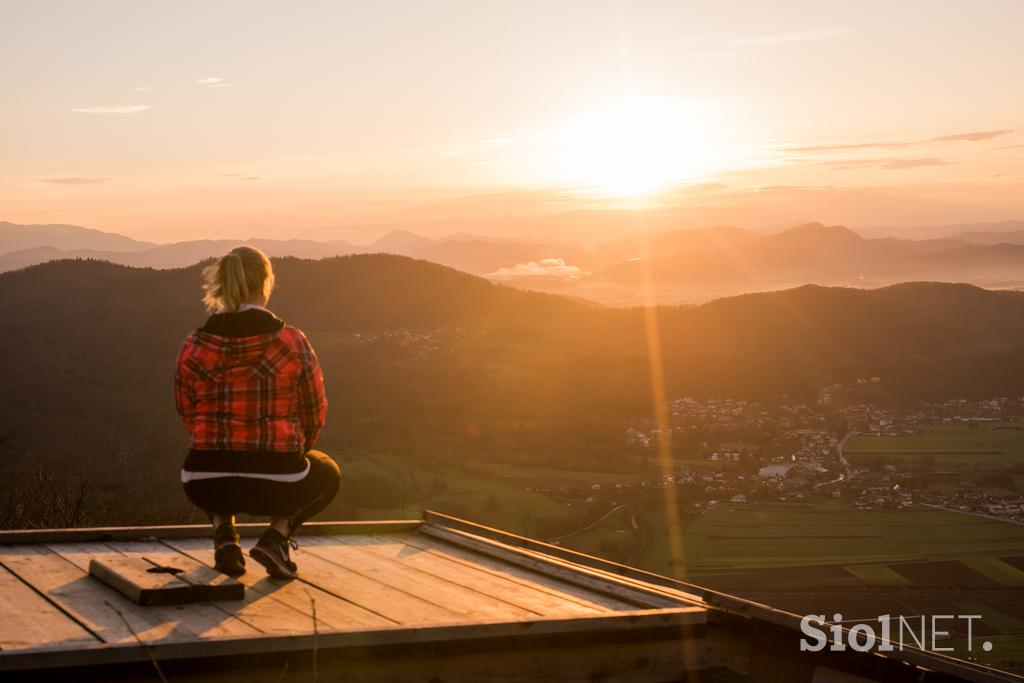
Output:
x=350 y=293
x=417 y=354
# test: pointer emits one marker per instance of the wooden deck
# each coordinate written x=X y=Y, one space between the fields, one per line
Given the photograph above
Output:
x=438 y=600
x=373 y=600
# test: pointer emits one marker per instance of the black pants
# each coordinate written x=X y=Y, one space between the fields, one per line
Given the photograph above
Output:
x=299 y=500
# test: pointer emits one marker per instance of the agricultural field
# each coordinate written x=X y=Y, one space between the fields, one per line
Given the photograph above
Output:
x=703 y=465
x=551 y=477
x=385 y=486
x=544 y=502
x=613 y=537
x=948 y=446
x=826 y=558
x=746 y=537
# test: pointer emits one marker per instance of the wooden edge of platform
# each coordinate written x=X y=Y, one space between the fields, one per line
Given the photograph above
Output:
x=644 y=595
x=680 y=623
x=247 y=530
x=692 y=591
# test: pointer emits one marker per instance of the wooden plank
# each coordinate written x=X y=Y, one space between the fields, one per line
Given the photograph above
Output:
x=524 y=594
x=65 y=579
x=333 y=613
x=438 y=641
x=651 y=661
x=80 y=596
x=206 y=583
x=654 y=660
x=439 y=519
x=27 y=620
x=455 y=596
x=246 y=530
x=395 y=605
x=510 y=572
x=264 y=615
x=108 y=614
x=132 y=578
x=583 y=576
x=541 y=561
x=648 y=661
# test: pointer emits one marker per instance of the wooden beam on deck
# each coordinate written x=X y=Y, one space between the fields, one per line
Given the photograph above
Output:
x=246 y=530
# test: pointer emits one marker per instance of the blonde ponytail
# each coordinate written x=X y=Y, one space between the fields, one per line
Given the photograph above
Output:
x=236 y=278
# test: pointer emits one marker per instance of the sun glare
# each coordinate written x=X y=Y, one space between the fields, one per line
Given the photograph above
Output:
x=635 y=148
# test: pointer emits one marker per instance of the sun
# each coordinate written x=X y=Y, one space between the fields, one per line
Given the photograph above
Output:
x=634 y=148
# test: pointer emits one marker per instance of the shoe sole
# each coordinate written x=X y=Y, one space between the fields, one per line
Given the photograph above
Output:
x=273 y=566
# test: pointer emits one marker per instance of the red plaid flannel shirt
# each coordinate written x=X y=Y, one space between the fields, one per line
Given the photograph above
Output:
x=258 y=393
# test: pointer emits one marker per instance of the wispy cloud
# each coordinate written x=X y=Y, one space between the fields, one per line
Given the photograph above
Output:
x=213 y=82
x=73 y=180
x=887 y=164
x=806 y=36
x=976 y=136
x=971 y=137
x=143 y=88
x=112 y=109
x=251 y=177
x=897 y=164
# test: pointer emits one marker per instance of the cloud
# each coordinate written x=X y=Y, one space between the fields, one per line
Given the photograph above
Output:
x=895 y=164
x=143 y=88
x=971 y=137
x=1011 y=147
x=73 y=180
x=808 y=36
x=790 y=188
x=112 y=109
x=251 y=177
x=213 y=82
x=887 y=164
x=546 y=268
x=976 y=136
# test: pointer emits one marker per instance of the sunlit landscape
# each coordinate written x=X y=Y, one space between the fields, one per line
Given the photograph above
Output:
x=727 y=297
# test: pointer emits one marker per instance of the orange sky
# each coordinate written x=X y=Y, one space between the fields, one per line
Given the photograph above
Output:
x=182 y=120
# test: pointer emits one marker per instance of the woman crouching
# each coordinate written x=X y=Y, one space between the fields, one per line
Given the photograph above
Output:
x=251 y=394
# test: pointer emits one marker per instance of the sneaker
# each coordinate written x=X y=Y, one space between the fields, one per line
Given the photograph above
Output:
x=272 y=551
x=227 y=553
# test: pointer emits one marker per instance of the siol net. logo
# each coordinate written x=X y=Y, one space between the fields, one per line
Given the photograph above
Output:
x=892 y=633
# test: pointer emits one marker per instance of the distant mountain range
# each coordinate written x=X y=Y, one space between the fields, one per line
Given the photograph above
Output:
x=828 y=255
x=953 y=231
x=992 y=236
x=14 y=237
x=26 y=245
x=670 y=266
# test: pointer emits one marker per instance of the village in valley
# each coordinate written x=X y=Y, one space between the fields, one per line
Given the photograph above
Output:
x=958 y=455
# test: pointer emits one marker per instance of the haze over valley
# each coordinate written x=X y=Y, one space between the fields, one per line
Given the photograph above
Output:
x=660 y=267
